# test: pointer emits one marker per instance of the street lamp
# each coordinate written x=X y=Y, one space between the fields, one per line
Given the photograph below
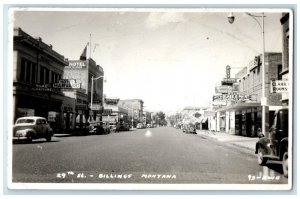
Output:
x=92 y=89
x=265 y=111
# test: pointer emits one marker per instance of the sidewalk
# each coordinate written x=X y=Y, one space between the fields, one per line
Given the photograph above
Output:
x=247 y=143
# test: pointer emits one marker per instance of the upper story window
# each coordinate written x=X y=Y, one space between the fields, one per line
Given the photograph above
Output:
x=28 y=71
x=279 y=72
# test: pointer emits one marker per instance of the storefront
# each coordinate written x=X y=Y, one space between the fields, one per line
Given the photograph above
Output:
x=45 y=104
x=247 y=118
x=68 y=113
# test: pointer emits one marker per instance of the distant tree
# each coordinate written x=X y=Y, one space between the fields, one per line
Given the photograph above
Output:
x=160 y=118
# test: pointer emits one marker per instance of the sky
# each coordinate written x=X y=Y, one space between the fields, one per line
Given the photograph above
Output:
x=169 y=58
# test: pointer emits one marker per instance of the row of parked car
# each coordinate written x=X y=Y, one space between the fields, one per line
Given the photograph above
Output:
x=143 y=126
x=107 y=127
x=34 y=127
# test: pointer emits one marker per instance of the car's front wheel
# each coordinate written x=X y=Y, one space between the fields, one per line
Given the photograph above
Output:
x=285 y=164
x=261 y=160
x=29 y=138
x=49 y=137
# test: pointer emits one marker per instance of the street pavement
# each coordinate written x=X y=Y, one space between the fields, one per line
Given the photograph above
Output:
x=243 y=142
x=163 y=155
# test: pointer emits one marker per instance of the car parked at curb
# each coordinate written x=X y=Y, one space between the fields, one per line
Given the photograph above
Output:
x=140 y=126
x=32 y=127
x=123 y=126
x=274 y=148
x=189 y=128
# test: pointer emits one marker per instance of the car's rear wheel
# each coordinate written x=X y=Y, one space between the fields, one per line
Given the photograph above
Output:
x=285 y=164
x=48 y=138
x=261 y=160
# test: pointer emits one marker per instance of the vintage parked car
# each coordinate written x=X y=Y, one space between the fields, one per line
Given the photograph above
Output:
x=100 y=129
x=274 y=148
x=123 y=126
x=189 y=128
x=140 y=126
x=113 y=126
x=32 y=127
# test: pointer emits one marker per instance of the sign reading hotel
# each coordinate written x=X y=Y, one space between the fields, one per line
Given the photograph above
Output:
x=76 y=64
x=67 y=84
x=279 y=86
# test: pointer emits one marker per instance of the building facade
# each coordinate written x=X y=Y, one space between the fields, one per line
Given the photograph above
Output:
x=195 y=115
x=134 y=109
x=113 y=113
x=242 y=113
x=36 y=67
x=78 y=75
x=284 y=71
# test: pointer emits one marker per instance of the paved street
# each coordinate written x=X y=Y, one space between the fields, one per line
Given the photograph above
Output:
x=154 y=155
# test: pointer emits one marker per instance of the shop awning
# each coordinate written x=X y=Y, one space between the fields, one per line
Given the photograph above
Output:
x=238 y=106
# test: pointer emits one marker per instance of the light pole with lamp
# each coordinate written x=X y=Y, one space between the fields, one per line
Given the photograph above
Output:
x=92 y=91
x=265 y=108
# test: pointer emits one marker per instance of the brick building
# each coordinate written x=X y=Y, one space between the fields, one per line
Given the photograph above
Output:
x=243 y=116
x=284 y=71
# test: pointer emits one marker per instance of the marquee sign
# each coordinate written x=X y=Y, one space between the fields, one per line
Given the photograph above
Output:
x=233 y=97
x=67 y=84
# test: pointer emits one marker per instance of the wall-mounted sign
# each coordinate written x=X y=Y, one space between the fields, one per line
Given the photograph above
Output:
x=223 y=89
x=234 y=97
x=279 y=86
x=228 y=72
x=219 y=103
x=96 y=107
x=229 y=80
x=107 y=111
x=77 y=64
x=51 y=116
x=67 y=84
x=111 y=101
x=43 y=88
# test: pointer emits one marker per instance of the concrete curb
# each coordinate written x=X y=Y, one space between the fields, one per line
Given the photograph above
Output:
x=62 y=135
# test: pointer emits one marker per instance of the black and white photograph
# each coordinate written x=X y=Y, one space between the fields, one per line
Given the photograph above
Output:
x=150 y=98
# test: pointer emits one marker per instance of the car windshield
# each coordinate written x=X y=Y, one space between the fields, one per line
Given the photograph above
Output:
x=22 y=121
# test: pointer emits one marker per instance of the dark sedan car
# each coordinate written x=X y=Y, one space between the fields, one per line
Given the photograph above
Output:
x=274 y=148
